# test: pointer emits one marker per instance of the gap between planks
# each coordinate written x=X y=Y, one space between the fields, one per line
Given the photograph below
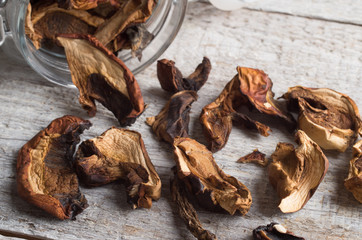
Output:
x=11 y=234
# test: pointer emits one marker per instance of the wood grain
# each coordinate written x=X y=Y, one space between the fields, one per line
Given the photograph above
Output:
x=292 y=50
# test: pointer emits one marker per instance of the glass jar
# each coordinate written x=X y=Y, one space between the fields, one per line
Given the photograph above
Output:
x=164 y=24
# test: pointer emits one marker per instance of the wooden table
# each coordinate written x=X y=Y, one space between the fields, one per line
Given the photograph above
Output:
x=311 y=43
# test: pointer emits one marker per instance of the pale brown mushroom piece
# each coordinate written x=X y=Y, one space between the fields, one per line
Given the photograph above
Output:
x=172 y=80
x=119 y=154
x=45 y=21
x=254 y=157
x=44 y=173
x=353 y=182
x=251 y=89
x=173 y=120
x=187 y=211
x=274 y=231
x=328 y=117
x=206 y=182
x=101 y=76
x=297 y=172
x=131 y=12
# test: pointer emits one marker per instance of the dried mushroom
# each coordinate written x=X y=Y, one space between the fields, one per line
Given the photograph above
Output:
x=187 y=211
x=101 y=76
x=211 y=187
x=119 y=154
x=172 y=80
x=250 y=88
x=135 y=38
x=297 y=172
x=45 y=177
x=173 y=120
x=44 y=22
x=256 y=157
x=274 y=231
x=330 y=118
x=354 y=180
x=130 y=13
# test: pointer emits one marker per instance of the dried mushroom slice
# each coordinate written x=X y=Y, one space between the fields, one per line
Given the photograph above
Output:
x=217 y=117
x=203 y=178
x=45 y=177
x=257 y=86
x=297 y=172
x=354 y=180
x=172 y=80
x=130 y=13
x=173 y=120
x=274 y=231
x=101 y=76
x=187 y=211
x=330 y=118
x=256 y=157
x=135 y=38
x=119 y=154
x=44 y=22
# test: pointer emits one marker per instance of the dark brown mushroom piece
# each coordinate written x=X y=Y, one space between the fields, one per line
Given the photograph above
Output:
x=131 y=12
x=119 y=154
x=187 y=211
x=250 y=88
x=135 y=38
x=45 y=176
x=297 y=172
x=206 y=182
x=45 y=22
x=173 y=120
x=274 y=231
x=172 y=80
x=100 y=75
x=255 y=157
x=354 y=180
x=330 y=118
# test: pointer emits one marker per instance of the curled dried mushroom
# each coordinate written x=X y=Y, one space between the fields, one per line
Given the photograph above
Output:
x=130 y=13
x=354 y=180
x=100 y=75
x=297 y=172
x=330 y=118
x=45 y=177
x=173 y=120
x=187 y=211
x=249 y=88
x=274 y=231
x=212 y=188
x=172 y=80
x=255 y=156
x=119 y=154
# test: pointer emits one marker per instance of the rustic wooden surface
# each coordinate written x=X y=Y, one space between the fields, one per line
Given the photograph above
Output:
x=311 y=43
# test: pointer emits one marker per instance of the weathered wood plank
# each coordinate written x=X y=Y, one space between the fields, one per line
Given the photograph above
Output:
x=292 y=50
x=342 y=11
